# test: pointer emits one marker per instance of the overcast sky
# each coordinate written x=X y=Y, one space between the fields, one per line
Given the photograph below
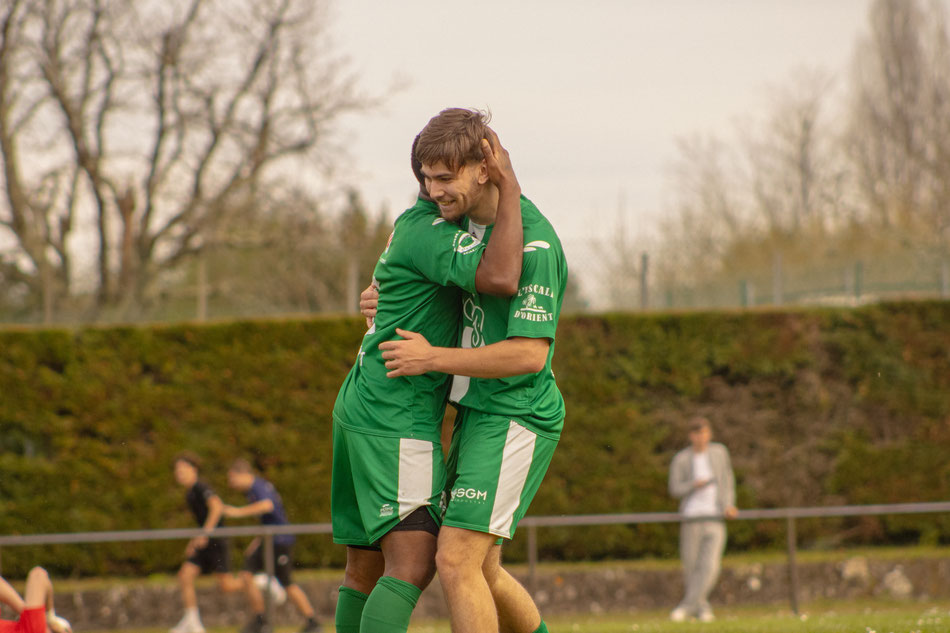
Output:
x=588 y=97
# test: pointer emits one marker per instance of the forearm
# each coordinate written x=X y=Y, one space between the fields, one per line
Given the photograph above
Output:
x=511 y=357
x=500 y=267
x=215 y=509
x=254 y=509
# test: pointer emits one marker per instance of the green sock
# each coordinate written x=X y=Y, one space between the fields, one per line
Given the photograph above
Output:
x=389 y=606
x=349 y=610
x=542 y=629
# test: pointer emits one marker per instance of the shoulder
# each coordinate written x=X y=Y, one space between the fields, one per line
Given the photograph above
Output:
x=422 y=212
x=539 y=233
x=682 y=455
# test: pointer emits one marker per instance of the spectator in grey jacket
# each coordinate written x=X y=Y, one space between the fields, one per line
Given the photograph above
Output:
x=701 y=478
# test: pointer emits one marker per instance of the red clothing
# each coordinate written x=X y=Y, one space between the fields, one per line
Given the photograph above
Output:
x=31 y=621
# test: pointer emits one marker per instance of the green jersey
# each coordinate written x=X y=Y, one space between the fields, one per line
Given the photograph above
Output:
x=533 y=312
x=419 y=276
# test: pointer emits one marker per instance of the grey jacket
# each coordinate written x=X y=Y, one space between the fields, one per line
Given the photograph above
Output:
x=681 y=475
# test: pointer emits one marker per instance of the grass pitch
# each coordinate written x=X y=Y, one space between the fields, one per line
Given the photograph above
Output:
x=863 y=617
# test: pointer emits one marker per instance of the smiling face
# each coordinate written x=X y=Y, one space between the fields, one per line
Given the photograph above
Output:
x=456 y=192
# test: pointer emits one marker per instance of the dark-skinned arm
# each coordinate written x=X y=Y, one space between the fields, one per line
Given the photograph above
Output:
x=499 y=269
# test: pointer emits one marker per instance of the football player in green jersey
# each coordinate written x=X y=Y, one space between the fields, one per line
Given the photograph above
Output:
x=388 y=469
x=510 y=419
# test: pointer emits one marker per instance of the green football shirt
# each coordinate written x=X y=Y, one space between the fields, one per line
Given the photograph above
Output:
x=421 y=275
x=533 y=312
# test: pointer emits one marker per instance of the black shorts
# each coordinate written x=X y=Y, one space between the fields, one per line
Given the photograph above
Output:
x=213 y=558
x=283 y=562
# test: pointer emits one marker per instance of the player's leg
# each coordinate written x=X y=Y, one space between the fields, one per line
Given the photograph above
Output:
x=253 y=563
x=364 y=561
x=497 y=466
x=187 y=573
x=460 y=558
x=10 y=597
x=283 y=569
x=392 y=483
x=37 y=602
x=517 y=612
x=219 y=563
x=364 y=567
x=39 y=590
x=409 y=554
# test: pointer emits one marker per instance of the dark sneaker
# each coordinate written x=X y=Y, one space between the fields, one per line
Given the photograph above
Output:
x=311 y=626
x=256 y=624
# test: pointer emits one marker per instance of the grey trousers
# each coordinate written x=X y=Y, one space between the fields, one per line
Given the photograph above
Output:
x=701 y=546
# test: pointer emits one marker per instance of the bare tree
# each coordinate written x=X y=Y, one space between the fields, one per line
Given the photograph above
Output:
x=796 y=171
x=708 y=211
x=899 y=137
x=160 y=121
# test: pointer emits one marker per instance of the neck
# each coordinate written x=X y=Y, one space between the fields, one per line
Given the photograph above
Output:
x=487 y=208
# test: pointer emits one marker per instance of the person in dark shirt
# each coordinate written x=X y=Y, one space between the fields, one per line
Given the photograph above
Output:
x=203 y=555
x=264 y=501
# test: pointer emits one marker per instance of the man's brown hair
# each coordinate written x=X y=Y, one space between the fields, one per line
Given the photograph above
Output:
x=241 y=465
x=454 y=137
x=698 y=422
x=189 y=458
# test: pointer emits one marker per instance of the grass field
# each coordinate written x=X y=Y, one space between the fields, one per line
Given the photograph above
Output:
x=865 y=617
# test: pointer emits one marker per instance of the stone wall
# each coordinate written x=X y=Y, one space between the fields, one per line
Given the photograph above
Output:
x=625 y=587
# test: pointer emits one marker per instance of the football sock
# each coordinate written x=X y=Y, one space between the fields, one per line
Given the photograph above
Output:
x=542 y=629
x=390 y=605
x=349 y=610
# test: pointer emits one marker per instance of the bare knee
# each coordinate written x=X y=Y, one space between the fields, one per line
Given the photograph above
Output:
x=37 y=574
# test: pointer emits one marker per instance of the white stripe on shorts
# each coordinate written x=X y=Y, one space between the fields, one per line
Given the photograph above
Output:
x=515 y=466
x=415 y=475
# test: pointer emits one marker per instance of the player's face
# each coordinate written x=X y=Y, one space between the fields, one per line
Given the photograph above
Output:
x=185 y=473
x=456 y=192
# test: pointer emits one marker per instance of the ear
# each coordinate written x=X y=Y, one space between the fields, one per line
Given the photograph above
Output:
x=482 y=172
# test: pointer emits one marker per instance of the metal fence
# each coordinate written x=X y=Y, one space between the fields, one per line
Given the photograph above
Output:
x=531 y=523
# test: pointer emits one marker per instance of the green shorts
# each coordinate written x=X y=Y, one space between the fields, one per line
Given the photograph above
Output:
x=495 y=468
x=378 y=481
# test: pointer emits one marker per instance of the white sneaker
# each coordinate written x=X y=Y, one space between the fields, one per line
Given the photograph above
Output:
x=188 y=625
x=277 y=593
x=706 y=616
x=678 y=614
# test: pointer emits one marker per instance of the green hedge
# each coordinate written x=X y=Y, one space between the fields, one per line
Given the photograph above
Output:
x=817 y=407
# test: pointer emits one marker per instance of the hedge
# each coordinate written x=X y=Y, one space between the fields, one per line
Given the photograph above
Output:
x=826 y=406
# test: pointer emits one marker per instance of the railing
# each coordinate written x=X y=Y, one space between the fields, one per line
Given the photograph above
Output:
x=531 y=523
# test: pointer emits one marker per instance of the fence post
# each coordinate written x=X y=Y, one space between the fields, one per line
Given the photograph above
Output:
x=644 y=289
x=858 y=279
x=532 y=558
x=747 y=293
x=269 y=570
x=777 y=289
x=792 y=566
x=944 y=280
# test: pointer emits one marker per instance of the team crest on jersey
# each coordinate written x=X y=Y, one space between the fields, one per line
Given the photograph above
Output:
x=465 y=242
x=531 y=310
